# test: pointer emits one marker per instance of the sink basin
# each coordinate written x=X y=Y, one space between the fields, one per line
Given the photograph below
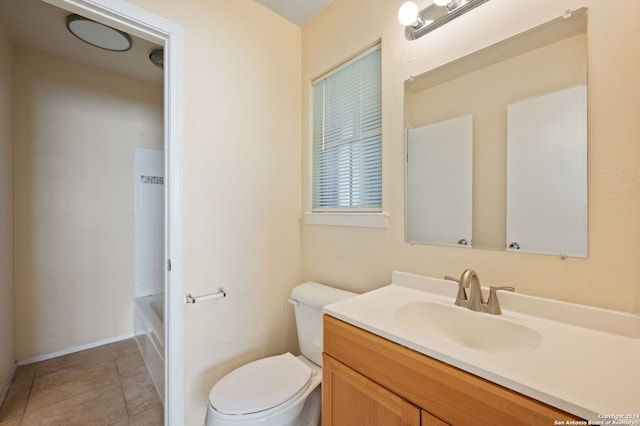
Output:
x=470 y=329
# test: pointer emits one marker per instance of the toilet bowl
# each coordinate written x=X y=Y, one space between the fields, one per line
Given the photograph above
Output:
x=281 y=390
x=276 y=391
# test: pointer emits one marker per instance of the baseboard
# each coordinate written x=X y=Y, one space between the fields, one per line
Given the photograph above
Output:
x=5 y=387
x=91 y=345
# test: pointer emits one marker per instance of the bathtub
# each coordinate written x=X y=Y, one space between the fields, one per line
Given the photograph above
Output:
x=149 y=329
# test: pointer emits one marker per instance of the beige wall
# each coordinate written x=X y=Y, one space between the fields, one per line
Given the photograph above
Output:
x=242 y=174
x=362 y=259
x=241 y=184
x=76 y=128
x=485 y=94
x=7 y=353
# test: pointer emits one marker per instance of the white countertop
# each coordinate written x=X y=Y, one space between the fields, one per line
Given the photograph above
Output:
x=587 y=362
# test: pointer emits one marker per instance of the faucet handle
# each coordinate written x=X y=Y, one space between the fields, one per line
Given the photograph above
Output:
x=493 y=306
x=461 y=297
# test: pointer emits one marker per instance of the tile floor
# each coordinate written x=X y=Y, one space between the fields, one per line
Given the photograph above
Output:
x=107 y=385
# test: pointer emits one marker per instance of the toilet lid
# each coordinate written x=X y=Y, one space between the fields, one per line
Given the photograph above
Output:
x=260 y=385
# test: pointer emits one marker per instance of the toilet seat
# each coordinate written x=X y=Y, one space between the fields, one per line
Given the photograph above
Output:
x=260 y=385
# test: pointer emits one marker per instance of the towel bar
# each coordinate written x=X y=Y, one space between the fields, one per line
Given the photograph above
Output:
x=213 y=296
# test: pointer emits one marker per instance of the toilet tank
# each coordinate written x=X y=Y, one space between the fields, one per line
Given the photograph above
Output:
x=308 y=299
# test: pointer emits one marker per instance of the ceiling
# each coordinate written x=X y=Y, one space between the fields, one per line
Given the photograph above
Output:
x=39 y=26
x=297 y=11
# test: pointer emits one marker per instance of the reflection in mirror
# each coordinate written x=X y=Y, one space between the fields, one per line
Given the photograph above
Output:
x=485 y=85
x=547 y=174
x=440 y=182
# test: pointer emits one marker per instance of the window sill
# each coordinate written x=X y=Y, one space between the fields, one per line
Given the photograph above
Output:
x=362 y=220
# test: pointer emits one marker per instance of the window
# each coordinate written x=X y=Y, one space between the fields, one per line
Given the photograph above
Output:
x=347 y=137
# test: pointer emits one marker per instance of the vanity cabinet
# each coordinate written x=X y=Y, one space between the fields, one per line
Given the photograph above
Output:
x=371 y=381
x=355 y=400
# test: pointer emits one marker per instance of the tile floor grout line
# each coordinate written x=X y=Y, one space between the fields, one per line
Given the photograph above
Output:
x=31 y=382
x=60 y=371
x=126 y=405
x=44 y=407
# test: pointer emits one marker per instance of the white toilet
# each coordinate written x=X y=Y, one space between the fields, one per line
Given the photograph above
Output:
x=282 y=390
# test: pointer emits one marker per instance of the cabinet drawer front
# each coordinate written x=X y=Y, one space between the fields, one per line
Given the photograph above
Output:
x=453 y=395
x=350 y=399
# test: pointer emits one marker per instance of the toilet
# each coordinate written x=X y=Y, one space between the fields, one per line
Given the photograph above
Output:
x=281 y=390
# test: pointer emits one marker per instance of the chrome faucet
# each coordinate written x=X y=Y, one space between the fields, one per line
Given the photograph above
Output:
x=469 y=279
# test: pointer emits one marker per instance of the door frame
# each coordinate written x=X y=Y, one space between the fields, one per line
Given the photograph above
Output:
x=144 y=24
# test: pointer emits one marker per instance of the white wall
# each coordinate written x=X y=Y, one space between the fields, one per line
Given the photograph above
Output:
x=362 y=259
x=75 y=132
x=7 y=353
x=241 y=185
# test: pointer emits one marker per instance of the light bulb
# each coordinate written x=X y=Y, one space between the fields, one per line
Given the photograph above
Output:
x=408 y=13
x=441 y=2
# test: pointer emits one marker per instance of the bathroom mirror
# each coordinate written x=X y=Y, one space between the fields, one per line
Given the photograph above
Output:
x=496 y=145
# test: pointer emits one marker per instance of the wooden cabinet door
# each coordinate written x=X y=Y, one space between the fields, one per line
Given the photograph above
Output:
x=430 y=420
x=350 y=399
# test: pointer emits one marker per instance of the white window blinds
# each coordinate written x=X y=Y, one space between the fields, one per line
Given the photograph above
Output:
x=347 y=137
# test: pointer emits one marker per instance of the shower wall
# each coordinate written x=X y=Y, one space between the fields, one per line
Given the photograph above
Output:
x=149 y=222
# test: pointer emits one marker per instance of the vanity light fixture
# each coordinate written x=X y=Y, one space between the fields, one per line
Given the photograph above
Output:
x=409 y=14
x=420 y=22
x=97 y=34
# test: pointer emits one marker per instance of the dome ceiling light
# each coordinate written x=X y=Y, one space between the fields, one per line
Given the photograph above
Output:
x=97 y=34
x=157 y=58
